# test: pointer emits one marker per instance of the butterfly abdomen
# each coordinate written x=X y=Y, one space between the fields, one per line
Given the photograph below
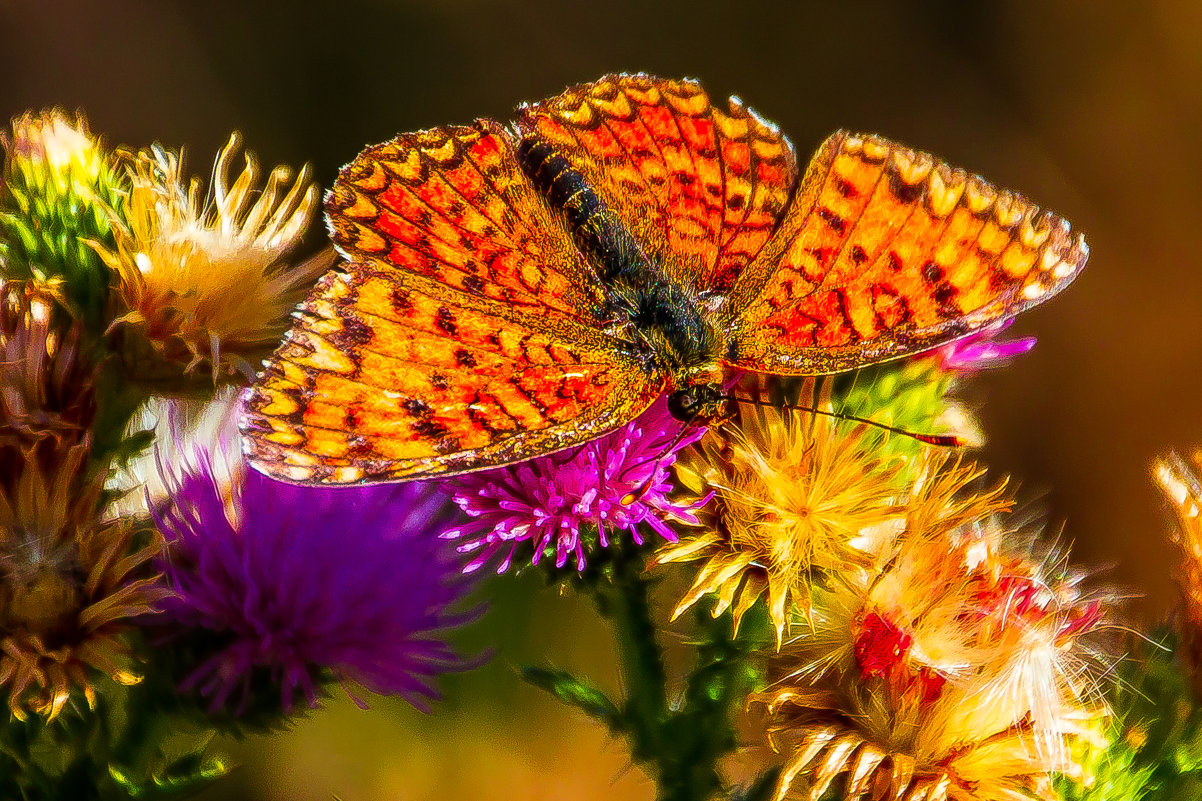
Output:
x=663 y=315
x=599 y=231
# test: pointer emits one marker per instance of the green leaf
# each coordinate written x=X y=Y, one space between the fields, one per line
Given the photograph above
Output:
x=576 y=692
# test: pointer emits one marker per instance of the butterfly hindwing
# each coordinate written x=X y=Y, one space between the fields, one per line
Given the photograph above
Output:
x=381 y=380
x=885 y=252
x=700 y=187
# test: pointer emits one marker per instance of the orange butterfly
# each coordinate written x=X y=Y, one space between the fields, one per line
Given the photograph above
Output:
x=512 y=293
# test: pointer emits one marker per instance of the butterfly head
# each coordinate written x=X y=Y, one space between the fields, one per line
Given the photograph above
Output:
x=701 y=402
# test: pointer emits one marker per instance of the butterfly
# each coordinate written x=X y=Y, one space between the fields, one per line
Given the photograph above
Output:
x=509 y=292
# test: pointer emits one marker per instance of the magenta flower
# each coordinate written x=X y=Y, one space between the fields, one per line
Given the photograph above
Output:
x=549 y=501
x=296 y=579
x=982 y=351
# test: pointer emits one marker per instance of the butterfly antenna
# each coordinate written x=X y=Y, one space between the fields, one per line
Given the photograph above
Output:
x=939 y=440
x=636 y=493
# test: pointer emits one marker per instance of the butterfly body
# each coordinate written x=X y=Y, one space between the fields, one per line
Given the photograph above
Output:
x=509 y=292
x=665 y=326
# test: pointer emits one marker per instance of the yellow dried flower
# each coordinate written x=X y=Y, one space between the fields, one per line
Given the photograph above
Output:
x=796 y=494
x=69 y=583
x=1179 y=481
x=45 y=387
x=69 y=586
x=207 y=285
x=959 y=669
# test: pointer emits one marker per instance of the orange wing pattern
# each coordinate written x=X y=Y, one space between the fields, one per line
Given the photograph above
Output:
x=885 y=252
x=700 y=188
x=463 y=334
x=382 y=379
x=444 y=203
x=469 y=331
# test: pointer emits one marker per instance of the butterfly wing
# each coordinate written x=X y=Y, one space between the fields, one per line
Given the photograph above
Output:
x=462 y=334
x=885 y=252
x=452 y=205
x=700 y=187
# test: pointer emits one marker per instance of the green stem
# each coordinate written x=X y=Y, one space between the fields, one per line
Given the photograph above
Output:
x=682 y=745
x=625 y=601
x=130 y=748
x=116 y=402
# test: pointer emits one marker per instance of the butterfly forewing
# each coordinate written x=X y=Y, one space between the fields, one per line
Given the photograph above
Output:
x=452 y=204
x=700 y=187
x=885 y=252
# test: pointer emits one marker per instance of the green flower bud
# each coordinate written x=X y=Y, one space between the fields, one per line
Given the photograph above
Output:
x=58 y=194
x=911 y=395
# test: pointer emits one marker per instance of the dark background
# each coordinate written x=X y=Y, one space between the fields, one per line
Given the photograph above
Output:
x=1092 y=109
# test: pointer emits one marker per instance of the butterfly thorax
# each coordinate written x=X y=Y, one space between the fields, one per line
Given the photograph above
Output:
x=662 y=322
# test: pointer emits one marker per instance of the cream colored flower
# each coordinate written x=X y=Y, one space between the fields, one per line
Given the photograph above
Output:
x=208 y=284
x=960 y=669
x=183 y=428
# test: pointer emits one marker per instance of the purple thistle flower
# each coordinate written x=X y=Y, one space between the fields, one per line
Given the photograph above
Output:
x=547 y=501
x=301 y=578
x=982 y=351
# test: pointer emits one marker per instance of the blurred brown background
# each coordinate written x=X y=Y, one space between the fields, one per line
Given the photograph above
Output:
x=1092 y=109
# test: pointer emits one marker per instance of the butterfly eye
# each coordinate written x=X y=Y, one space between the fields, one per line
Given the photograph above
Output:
x=683 y=405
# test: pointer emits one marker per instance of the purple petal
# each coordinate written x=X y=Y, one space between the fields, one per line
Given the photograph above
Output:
x=354 y=579
x=546 y=501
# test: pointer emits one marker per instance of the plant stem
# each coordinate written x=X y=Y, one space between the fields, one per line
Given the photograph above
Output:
x=625 y=601
x=117 y=400
x=683 y=744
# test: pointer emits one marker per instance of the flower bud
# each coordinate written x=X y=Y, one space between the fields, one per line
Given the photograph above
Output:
x=58 y=195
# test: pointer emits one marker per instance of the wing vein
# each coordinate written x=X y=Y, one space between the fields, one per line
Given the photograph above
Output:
x=834 y=258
